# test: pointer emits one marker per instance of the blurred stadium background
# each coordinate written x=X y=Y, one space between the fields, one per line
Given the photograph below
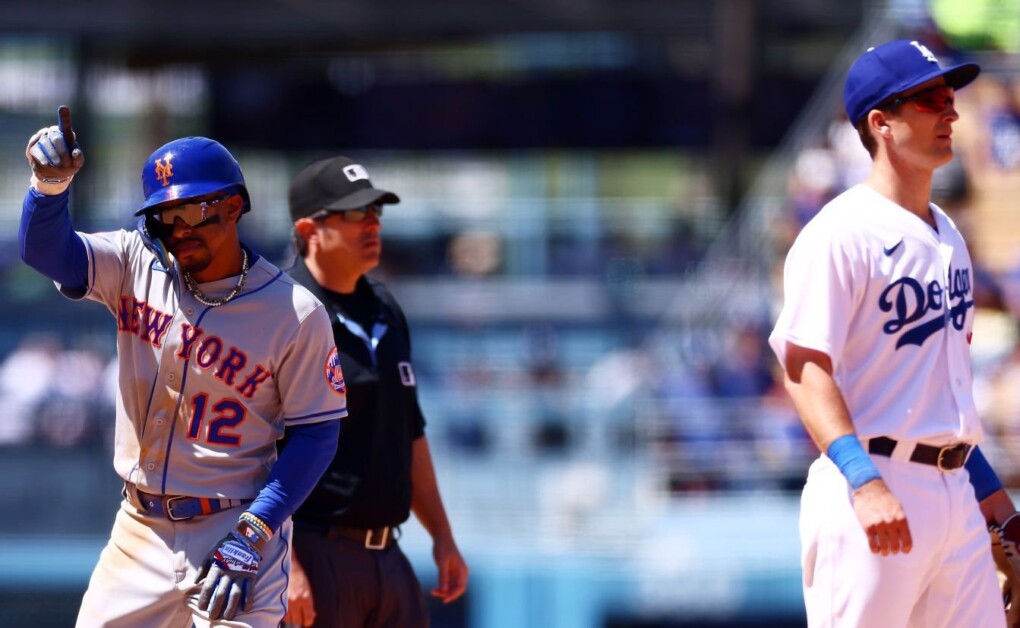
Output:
x=597 y=198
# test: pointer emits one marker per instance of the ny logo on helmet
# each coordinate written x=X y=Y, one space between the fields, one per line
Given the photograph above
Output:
x=164 y=170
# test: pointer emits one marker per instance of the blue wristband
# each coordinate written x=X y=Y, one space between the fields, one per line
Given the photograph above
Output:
x=855 y=465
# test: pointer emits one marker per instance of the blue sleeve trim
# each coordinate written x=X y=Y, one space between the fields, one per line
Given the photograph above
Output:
x=853 y=462
x=339 y=414
x=48 y=242
x=310 y=448
x=982 y=476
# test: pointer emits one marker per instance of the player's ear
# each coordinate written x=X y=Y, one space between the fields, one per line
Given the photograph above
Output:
x=879 y=122
x=305 y=227
x=235 y=207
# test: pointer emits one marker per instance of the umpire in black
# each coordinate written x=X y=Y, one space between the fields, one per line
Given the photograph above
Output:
x=348 y=570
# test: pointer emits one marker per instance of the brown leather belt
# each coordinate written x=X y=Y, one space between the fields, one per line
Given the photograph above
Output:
x=945 y=458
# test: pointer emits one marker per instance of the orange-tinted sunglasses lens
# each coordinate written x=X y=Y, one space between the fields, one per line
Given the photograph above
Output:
x=934 y=100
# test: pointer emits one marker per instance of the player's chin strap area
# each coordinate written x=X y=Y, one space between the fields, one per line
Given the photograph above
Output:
x=148 y=229
x=177 y=507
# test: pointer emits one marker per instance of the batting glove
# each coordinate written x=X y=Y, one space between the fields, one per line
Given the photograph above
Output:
x=230 y=570
x=54 y=155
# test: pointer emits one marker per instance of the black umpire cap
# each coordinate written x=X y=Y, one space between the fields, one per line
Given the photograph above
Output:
x=338 y=184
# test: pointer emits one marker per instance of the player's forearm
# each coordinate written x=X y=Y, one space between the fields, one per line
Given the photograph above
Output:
x=997 y=507
x=309 y=450
x=823 y=410
x=48 y=242
x=426 y=502
x=820 y=405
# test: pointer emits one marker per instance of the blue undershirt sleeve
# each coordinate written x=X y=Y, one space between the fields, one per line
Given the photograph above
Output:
x=48 y=242
x=982 y=476
x=309 y=450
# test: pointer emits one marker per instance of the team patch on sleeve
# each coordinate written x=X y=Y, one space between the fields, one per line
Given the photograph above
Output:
x=334 y=374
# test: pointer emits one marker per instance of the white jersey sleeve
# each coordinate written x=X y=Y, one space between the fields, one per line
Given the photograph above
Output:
x=819 y=294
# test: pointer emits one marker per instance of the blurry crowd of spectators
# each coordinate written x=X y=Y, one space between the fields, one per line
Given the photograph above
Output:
x=56 y=395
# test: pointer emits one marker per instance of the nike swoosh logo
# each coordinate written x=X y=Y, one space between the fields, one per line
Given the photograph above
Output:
x=889 y=250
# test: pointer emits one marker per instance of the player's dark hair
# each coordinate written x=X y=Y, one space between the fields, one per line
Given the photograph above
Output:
x=869 y=141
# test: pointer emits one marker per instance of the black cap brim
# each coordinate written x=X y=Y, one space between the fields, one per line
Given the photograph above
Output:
x=361 y=198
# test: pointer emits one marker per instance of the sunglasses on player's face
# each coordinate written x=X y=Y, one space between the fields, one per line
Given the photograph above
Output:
x=934 y=100
x=352 y=215
x=192 y=214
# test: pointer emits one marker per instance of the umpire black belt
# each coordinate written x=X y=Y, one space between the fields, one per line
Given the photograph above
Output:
x=178 y=507
x=369 y=538
x=945 y=458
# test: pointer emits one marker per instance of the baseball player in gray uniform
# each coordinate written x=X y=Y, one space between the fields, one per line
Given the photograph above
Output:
x=874 y=336
x=220 y=353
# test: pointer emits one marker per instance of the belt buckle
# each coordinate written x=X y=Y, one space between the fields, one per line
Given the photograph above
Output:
x=938 y=461
x=168 y=508
x=381 y=544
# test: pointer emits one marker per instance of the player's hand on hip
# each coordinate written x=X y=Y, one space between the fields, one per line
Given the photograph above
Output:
x=1009 y=532
x=300 y=603
x=1005 y=539
x=228 y=575
x=453 y=571
x=883 y=519
x=54 y=155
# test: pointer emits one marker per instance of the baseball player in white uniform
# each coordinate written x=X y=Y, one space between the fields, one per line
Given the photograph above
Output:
x=874 y=336
x=220 y=353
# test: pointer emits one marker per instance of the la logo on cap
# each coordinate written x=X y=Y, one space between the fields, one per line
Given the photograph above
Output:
x=924 y=50
x=355 y=172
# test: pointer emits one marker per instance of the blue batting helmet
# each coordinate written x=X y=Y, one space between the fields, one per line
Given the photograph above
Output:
x=189 y=168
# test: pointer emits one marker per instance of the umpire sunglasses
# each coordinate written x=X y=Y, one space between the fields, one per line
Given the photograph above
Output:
x=933 y=100
x=351 y=215
x=194 y=215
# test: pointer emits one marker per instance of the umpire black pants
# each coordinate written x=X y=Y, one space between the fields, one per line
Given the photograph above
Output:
x=355 y=587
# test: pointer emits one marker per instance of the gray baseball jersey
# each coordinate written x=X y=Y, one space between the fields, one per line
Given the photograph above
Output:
x=206 y=392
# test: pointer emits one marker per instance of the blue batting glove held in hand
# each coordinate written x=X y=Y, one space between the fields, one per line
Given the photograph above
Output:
x=230 y=573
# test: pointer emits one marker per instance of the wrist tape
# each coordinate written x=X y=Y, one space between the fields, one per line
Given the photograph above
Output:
x=853 y=462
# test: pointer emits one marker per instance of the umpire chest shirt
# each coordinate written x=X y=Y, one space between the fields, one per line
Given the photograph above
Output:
x=368 y=484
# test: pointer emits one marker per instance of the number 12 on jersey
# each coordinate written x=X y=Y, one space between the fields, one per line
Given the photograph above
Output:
x=226 y=414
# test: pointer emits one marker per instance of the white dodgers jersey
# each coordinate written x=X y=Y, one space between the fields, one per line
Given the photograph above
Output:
x=891 y=301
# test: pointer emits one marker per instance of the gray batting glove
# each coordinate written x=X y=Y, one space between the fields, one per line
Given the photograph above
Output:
x=54 y=155
x=229 y=577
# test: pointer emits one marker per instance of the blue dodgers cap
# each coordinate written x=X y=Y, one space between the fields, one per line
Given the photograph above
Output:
x=893 y=68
